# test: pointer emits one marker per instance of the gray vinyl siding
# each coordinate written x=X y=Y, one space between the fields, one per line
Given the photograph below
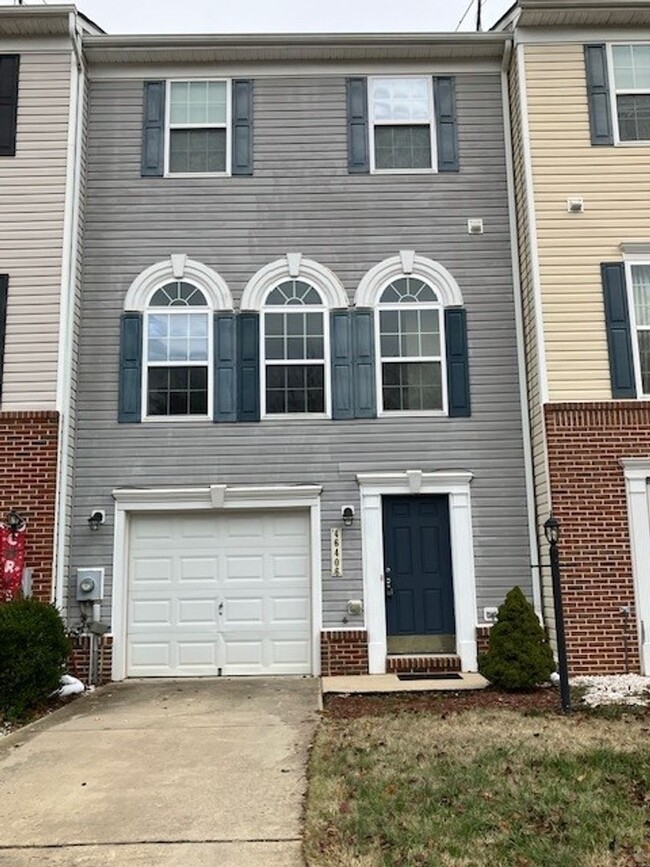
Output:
x=301 y=198
x=32 y=207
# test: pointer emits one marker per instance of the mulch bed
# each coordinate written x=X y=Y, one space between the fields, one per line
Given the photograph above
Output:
x=545 y=700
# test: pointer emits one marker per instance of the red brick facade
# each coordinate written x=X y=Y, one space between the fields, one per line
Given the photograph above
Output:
x=344 y=651
x=586 y=442
x=79 y=665
x=28 y=464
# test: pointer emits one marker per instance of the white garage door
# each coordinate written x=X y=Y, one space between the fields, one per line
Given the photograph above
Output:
x=217 y=594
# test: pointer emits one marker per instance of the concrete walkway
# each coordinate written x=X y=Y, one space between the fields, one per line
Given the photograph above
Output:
x=193 y=772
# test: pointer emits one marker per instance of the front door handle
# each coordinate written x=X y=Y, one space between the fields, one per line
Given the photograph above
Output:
x=389 y=585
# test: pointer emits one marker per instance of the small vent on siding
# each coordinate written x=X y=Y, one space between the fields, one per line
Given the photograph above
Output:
x=575 y=205
x=475 y=226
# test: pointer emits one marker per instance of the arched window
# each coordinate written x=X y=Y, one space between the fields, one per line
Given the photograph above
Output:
x=294 y=334
x=411 y=338
x=166 y=346
x=409 y=295
x=177 y=352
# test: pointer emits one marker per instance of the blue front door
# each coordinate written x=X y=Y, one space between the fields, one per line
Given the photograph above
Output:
x=417 y=566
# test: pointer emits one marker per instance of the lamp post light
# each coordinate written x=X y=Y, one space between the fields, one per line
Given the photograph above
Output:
x=552 y=532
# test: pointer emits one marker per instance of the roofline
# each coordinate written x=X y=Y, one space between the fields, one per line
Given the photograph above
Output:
x=44 y=12
x=582 y=5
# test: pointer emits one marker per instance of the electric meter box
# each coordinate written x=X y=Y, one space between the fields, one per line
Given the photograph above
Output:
x=90 y=585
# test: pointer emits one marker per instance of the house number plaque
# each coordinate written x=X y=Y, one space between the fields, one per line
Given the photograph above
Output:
x=337 y=552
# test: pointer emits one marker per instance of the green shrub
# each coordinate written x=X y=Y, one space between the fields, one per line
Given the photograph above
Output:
x=34 y=649
x=519 y=655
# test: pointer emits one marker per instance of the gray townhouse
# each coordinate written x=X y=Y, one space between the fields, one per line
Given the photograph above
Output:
x=300 y=446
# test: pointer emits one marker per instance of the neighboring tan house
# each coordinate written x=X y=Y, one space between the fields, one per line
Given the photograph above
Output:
x=580 y=93
x=41 y=98
x=300 y=440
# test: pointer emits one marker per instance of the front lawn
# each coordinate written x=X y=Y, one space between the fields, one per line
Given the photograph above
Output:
x=479 y=787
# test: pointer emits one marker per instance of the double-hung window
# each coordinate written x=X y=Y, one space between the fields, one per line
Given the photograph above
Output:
x=198 y=129
x=640 y=307
x=402 y=126
x=294 y=341
x=178 y=353
x=630 y=64
x=411 y=340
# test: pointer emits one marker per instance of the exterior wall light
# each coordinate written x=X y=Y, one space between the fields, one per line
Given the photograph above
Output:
x=347 y=513
x=97 y=518
x=15 y=521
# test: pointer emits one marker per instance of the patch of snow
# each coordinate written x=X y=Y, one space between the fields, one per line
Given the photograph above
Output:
x=629 y=689
x=70 y=686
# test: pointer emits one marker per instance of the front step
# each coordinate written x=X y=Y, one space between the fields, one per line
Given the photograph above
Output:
x=423 y=663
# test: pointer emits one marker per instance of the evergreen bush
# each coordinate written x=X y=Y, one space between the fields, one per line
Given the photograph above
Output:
x=34 y=649
x=519 y=656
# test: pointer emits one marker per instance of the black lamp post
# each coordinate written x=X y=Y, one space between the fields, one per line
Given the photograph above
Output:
x=552 y=532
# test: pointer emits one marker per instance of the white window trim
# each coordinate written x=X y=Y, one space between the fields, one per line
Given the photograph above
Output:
x=631 y=262
x=455 y=484
x=208 y=312
x=295 y=308
x=432 y=128
x=404 y=413
x=637 y=480
x=129 y=501
x=613 y=93
x=228 y=126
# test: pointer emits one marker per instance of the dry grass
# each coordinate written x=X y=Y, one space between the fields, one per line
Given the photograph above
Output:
x=480 y=788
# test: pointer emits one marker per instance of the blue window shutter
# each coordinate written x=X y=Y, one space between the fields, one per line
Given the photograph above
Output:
x=444 y=101
x=365 y=398
x=457 y=362
x=619 y=336
x=9 y=64
x=242 y=126
x=153 y=130
x=358 y=143
x=225 y=367
x=342 y=370
x=4 y=298
x=130 y=397
x=248 y=374
x=600 y=116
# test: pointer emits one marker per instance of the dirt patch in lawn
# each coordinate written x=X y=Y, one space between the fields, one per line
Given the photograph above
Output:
x=435 y=783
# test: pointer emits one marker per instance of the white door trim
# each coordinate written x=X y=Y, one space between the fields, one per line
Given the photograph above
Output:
x=216 y=497
x=455 y=484
x=637 y=476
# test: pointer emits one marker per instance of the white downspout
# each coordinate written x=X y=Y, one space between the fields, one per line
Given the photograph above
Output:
x=67 y=304
x=521 y=350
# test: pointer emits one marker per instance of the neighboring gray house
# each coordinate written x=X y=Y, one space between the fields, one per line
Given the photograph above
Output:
x=300 y=408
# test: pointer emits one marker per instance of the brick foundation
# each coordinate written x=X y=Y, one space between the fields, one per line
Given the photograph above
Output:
x=482 y=639
x=344 y=651
x=586 y=442
x=28 y=462
x=438 y=663
x=79 y=664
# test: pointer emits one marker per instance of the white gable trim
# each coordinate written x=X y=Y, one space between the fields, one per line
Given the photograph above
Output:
x=290 y=267
x=178 y=267
x=408 y=262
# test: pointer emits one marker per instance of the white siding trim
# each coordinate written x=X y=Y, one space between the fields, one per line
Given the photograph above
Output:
x=456 y=484
x=375 y=281
x=637 y=480
x=536 y=577
x=291 y=267
x=228 y=497
x=178 y=267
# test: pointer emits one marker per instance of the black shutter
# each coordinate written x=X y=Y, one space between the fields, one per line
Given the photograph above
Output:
x=153 y=130
x=248 y=374
x=342 y=365
x=444 y=101
x=4 y=298
x=242 y=127
x=365 y=404
x=9 y=64
x=457 y=362
x=130 y=384
x=600 y=116
x=619 y=336
x=225 y=367
x=358 y=145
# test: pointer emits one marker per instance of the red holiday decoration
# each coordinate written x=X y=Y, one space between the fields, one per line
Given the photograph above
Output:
x=12 y=562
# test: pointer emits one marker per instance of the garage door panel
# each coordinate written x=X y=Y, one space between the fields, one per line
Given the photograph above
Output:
x=220 y=594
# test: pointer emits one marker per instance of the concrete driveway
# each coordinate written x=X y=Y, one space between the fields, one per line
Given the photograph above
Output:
x=192 y=772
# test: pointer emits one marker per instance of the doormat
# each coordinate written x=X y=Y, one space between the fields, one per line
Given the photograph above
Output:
x=446 y=675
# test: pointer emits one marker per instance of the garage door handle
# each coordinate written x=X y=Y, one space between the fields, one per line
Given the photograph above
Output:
x=221 y=608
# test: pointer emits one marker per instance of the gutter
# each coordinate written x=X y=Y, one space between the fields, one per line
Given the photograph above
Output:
x=521 y=351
